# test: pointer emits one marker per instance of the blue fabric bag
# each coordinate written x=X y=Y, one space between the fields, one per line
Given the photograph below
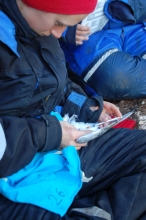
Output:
x=50 y=181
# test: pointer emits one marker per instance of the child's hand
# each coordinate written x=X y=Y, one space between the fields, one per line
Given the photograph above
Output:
x=81 y=32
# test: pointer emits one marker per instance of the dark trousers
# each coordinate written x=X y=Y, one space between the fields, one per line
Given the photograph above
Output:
x=117 y=162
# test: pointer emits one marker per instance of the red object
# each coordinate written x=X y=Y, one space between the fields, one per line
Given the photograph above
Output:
x=68 y=7
x=127 y=123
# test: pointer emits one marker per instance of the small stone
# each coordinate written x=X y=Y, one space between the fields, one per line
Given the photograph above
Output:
x=143 y=127
x=143 y=103
x=137 y=113
x=141 y=122
x=143 y=118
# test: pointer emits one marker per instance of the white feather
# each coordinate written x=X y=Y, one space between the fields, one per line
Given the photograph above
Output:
x=79 y=125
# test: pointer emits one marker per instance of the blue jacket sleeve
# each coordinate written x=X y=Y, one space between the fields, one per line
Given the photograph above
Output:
x=69 y=35
x=78 y=103
x=127 y=12
x=119 y=12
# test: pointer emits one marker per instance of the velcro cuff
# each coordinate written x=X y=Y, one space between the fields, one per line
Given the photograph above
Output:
x=73 y=104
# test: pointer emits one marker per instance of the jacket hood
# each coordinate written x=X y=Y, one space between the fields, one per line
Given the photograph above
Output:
x=23 y=31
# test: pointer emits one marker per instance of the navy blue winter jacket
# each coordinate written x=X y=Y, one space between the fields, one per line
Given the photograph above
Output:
x=28 y=64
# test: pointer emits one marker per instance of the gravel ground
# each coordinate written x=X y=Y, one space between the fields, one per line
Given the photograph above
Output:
x=140 y=113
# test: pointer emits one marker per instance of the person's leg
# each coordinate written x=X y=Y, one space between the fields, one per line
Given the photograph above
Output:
x=125 y=199
x=119 y=76
x=117 y=162
x=118 y=72
x=18 y=211
x=11 y=211
x=118 y=154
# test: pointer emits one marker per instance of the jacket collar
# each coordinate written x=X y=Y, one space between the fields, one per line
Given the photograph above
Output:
x=7 y=35
x=23 y=31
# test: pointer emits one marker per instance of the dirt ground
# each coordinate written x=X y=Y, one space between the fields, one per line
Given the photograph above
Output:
x=140 y=113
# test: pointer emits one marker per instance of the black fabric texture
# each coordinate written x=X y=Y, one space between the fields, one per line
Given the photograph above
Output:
x=71 y=35
x=86 y=114
x=24 y=137
x=31 y=135
x=72 y=86
x=71 y=109
x=121 y=11
x=53 y=130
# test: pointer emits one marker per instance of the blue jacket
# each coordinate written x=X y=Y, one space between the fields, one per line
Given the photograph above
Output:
x=124 y=18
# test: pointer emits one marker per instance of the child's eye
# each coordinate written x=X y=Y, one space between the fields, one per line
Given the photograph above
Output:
x=59 y=24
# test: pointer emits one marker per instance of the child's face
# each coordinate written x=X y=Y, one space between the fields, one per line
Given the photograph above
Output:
x=45 y=23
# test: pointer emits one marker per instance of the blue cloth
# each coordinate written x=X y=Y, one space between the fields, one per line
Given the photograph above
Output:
x=7 y=33
x=50 y=181
x=77 y=99
x=58 y=116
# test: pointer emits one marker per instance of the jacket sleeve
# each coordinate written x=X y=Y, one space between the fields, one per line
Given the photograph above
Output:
x=78 y=103
x=69 y=35
x=22 y=138
x=121 y=12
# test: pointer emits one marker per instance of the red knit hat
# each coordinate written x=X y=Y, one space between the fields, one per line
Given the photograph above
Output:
x=69 y=7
